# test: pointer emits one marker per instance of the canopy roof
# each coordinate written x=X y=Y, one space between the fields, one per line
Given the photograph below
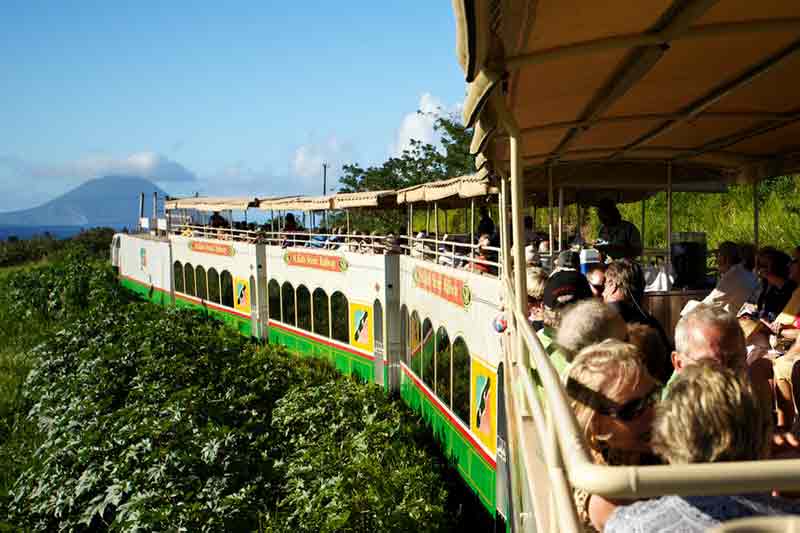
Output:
x=345 y=200
x=710 y=86
x=211 y=203
x=296 y=203
x=468 y=186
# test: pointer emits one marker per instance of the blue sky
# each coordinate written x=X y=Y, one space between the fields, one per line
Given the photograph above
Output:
x=220 y=98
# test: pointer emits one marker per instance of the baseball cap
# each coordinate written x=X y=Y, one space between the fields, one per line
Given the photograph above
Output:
x=568 y=259
x=565 y=287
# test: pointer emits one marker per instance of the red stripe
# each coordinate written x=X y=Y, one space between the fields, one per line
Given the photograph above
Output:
x=438 y=404
x=321 y=340
x=190 y=298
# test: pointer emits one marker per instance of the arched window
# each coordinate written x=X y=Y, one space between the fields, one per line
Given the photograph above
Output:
x=177 y=274
x=414 y=335
x=377 y=326
x=188 y=271
x=303 y=308
x=226 y=288
x=322 y=323
x=274 y=300
x=340 y=314
x=461 y=369
x=287 y=303
x=444 y=353
x=213 y=286
x=404 y=351
x=428 y=345
x=200 y=280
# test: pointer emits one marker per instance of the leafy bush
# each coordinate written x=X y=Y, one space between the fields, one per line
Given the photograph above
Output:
x=16 y=252
x=135 y=417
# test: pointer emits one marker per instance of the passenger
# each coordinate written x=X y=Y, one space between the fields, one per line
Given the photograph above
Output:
x=560 y=290
x=218 y=221
x=748 y=252
x=612 y=395
x=596 y=275
x=536 y=279
x=532 y=257
x=710 y=415
x=567 y=260
x=656 y=356
x=736 y=283
x=588 y=322
x=530 y=234
x=623 y=290
x=777 y=288
x=481 y=255
x=290 y=223
x=794 y=271
x=620 y=238
x=485 y=224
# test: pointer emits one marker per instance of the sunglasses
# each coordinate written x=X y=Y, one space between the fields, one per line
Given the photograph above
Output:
x=632 y=409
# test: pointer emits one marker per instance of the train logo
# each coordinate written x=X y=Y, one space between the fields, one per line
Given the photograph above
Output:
x=242 y=295
x=361 y=334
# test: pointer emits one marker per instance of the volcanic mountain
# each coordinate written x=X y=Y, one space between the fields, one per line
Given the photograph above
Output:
x=107 y=201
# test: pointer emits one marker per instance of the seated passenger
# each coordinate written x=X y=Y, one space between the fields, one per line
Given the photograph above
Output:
x=485 y=224
x=623 y=290
x=777 y=288
x=596 y=276
x=588 y=322
x=736 y=284
x=536 y=278
x=612 y=395
x=710 y=415
x=656 y=356
x=707 y=334
x=217 y=221
x=560 y=290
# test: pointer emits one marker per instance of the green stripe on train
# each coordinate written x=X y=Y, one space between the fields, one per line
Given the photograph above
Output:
x=242 y=325
x=478 y=474
x=344 y=361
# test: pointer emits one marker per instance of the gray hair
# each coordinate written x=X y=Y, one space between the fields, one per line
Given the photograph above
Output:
x=708 y=316
x=588 y=322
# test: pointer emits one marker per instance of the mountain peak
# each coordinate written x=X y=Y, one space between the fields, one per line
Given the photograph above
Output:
x=105 y=201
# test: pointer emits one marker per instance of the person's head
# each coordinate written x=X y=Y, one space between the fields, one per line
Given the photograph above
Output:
x=710 y=415
x=747 y=251
x=612 y=396
x=607 y=212
x=484 y=211
x=536 y=279
x=568 y=259
x=794 y=271
x=624 y=282
x=588 y=322
x=651 y=345
x=773 y=265
x=596 y=276
x=727 y=256
x=709 y=334
x=796 y=253
x=528 y=222
x=289 y=218
x=531 y=256
x=560 y=290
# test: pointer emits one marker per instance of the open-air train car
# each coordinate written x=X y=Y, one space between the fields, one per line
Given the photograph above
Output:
x=412 y=326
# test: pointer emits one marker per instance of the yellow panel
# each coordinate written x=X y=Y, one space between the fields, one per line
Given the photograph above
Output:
x=361 y=326
x=483 y=404
x=241 y=295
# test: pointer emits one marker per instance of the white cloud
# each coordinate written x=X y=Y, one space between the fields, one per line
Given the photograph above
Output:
x=149 y=165
x=307 y=159
x=418 y=125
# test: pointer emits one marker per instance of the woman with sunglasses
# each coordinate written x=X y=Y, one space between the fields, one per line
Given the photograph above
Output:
x=613 y=397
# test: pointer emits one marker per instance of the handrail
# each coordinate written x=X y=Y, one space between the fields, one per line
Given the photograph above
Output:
x=647 y=481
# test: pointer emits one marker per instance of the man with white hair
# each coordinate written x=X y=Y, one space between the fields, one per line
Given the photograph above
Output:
x=711 y=335
x=736 y=284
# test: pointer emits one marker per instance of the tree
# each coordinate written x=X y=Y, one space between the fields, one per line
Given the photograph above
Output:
x=421 y=163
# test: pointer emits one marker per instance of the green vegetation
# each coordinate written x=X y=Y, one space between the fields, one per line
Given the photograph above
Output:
x=117 y=415
x=15 y=252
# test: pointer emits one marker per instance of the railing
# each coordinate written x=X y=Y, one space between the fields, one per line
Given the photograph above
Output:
x=533 y=428
x=478 y=258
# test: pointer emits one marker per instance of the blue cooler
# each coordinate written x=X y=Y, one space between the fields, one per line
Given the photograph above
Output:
x=589 y=257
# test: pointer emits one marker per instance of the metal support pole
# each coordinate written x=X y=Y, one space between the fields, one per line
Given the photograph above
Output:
x=518 y=232
x=550 y=239
x=502 y=206
x=141 y=210
x=579 y=223
x=272 y=220
x=644 y=210
x=155 y=211
x=472 y=227
x=669 y=217
x=348 y=221
x=427 y=218
x=436 y=229
x=756 y=213
x=410 y=221
x=560 y=218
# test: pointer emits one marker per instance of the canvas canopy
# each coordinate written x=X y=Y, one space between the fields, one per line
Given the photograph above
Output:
x=296 y=203
x=211 y=203
x=363 y=199
x=708 y=86
x=461 y=187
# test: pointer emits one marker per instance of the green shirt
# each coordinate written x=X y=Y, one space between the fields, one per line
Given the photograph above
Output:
x=670 y=381
x=547 y=336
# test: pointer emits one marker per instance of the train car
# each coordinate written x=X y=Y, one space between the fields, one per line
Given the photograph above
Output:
x=412 y=326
